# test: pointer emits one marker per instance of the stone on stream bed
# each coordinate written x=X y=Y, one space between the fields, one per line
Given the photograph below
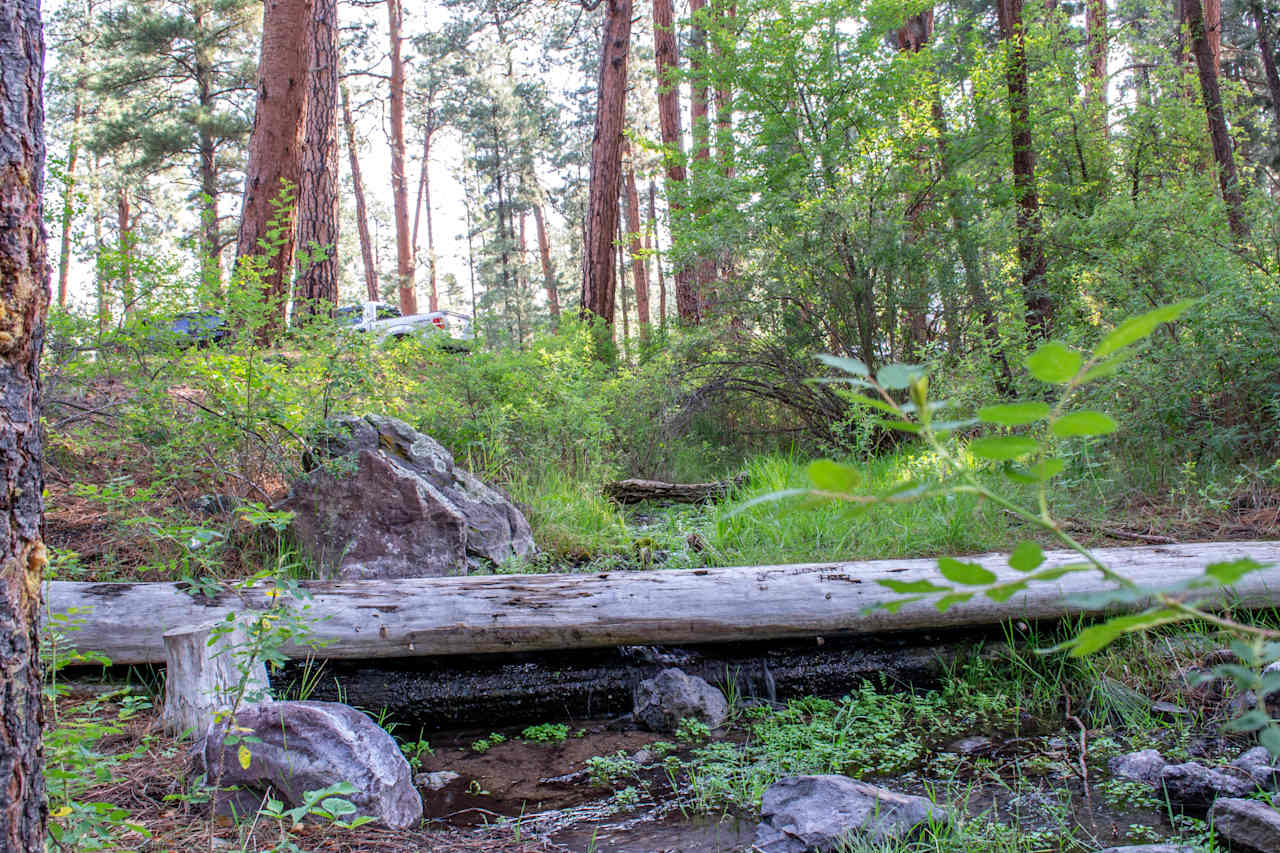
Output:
x=806 y=813
x=1192 y=784
x=1260 y=766
x=1142 y=766
x=388 y=502
x=296 y=747
x=1247 y=824
x=1152 y=848
x=671 y=696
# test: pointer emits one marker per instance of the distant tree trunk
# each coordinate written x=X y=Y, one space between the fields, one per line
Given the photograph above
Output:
x=69 y=192
x=548 y=271
x=622 y=293
x=317 y=292
x=704 y=271
x=1031 y=258
x=124 y=228
x=912 y=38
x=362 y=217
x=1217 y=117
x=210 y=231
x=668 y=63
x=424 y=195
x=99 y=280
x=606 y=164
x=275 y=147
x=1095 y=24
x=639 y=273
x=25 y=299
x=1211 y=10
x=399 y=189
x=657 y=256
x=726 y=13
x=1261 y=20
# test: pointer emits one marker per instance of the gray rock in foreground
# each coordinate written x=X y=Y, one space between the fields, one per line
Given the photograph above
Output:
x=1143 y=766
x=672 y=695
x=807 y=813
x=1152 y=848
x=307 y=746
x=1260 y=766
x=390 y=503
x=1246 y=824
x=1192 y=784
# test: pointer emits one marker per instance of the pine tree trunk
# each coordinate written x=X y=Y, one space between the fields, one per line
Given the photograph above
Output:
x=1217 y=117
x=548 y=271
x=622 y=293
x=657 y=256
x=362 y=216
x=640 y=274
x=275 y=148
x=912 y=38
x=317 y=291
x=704 y=270
x=399 y=189
x=1095 y=25
x=25 y=299
x=1266 y=47
x=69 y=193
x=1031 y=258
x=606 y=165
x=424 y=195
x=666 y=54
x=99 y=280
x=124 y=229
x=210 y=259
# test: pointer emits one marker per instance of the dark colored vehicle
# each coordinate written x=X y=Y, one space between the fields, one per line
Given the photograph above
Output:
x=192 y=328
x=351 y=315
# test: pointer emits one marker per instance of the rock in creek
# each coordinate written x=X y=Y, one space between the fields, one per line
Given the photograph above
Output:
x=1143 y=766
x=671 y=695
x=1152 y=848
x=388 y=502
x=1195 y=785
x=1247 y=824
x=1260 y=766
x=804 y=813
x=307 y=746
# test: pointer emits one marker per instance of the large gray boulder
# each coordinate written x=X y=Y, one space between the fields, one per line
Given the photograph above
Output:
x=1261 y=767
x=1143 y=766
x=1247 y=824
x=1193 y=784
x=388 y=502
x=670 y=696
x=800 y=814
x=295 y=747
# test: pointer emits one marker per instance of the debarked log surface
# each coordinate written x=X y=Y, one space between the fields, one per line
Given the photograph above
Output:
x=412 y=617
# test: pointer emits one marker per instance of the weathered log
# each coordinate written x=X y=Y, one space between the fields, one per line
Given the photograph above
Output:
x=203 y=674
x=506 y=613
x=495 y=691
x=634 y=491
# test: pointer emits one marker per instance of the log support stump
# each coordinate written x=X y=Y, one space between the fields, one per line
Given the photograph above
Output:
x=205 y=668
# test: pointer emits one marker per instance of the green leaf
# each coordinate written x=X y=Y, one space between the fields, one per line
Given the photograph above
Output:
x=1098 y=637
x=1249 y=722
x=1270 y=738
x=1006 y=591
x=1018 y=474
x=1055 y=573
x=1136 y=328
x=874 y=403
x=902 y=426
x=1108 y=367
x=848 y=365
x=1014 y=414
x=969 y=574
x=1026 y=557
x=947 y=601
x=913 y=586
x=898 y=377
x=832 y=476
x=1003 y=447
x=941 y=427
x=1054 y=362
x=1083 y=423
x=1229 y=573
x=895 y=606
x=1047 y=469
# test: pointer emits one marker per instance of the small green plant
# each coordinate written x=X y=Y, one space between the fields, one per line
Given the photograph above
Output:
x=546 y=733
x=487 y=743
x=607 y=770
x=692 y=730
x=413 y=752
x=329 y=804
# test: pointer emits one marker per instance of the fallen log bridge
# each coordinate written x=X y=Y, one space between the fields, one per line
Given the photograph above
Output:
x=420 y=617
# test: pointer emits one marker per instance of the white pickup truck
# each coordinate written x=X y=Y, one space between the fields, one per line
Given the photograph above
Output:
x=456 y=327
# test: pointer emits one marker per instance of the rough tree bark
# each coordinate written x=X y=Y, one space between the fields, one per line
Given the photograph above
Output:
x=1031 y=258
x=124 y=229
x=657 y=255
x=704 y=269
x=606 y=164
x=639 y=273
x=666 y=54
x=548 y=271
x=210 y=226
x=275 y=147
x=1095 y=25
x=1217 y=117
x=1262 y=21
x=399 y=189
x=317 y=291
x=24 y=296
x=362 y=216
x=912 y=37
